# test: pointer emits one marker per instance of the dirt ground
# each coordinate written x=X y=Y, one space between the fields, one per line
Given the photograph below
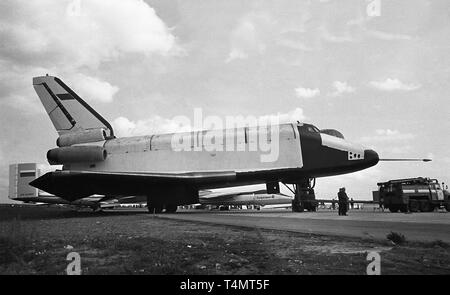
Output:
x=37 y=240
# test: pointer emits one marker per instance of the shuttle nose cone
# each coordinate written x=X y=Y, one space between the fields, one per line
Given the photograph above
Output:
x=371 y=157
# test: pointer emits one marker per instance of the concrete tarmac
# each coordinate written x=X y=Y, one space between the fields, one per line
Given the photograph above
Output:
x=424 y=227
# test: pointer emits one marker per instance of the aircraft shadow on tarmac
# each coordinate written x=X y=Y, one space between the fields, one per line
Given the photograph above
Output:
x=250 y=212
x=44 y=213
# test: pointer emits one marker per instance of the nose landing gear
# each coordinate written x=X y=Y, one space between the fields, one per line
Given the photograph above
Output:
x=304 y=196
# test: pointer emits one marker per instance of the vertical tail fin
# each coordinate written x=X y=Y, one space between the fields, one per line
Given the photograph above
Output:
x=67 y=111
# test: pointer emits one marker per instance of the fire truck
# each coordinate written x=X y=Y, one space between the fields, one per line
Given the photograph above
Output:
x=412 y=195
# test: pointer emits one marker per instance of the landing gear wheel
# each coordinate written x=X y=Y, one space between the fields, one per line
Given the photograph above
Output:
x=158 y=209
x=304 y=197
x=151 y=209
x=297 y=206
x=154 y=209
x=171 y=208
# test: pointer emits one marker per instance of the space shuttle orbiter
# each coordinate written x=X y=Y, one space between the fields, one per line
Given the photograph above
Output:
x=95 y=161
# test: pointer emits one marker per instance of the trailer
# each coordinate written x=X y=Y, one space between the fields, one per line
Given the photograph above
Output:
x=20 y=175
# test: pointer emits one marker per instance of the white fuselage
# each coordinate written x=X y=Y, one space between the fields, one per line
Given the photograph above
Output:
x=157 y=153
x=259 y=199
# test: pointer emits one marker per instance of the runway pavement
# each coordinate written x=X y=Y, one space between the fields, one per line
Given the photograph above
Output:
x=366 y=224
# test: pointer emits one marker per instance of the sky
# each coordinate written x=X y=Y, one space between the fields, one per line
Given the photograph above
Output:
x=378 y=71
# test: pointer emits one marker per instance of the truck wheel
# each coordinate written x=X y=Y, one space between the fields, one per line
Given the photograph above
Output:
x=447 y=207
x=425 y=206
x=404 y=208
x=413 y=206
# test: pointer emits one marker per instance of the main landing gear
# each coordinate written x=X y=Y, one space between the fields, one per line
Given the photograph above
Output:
x=304 y=197
x=155 y=208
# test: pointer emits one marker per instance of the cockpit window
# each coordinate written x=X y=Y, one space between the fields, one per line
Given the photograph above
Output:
x=332 y=132
x=312 y=129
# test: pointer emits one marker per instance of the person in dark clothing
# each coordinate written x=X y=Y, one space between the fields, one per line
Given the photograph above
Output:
x=381 y=204
x=343 y=201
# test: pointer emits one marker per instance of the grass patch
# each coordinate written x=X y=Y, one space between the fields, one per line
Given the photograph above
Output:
x=15 y=240
x=122 y=243
x=440 y=243
x=433 y=244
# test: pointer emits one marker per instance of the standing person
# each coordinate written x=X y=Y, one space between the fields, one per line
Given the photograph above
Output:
x=343 y=201
x=351 y=203
x=381 y=204
x=340 y=202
